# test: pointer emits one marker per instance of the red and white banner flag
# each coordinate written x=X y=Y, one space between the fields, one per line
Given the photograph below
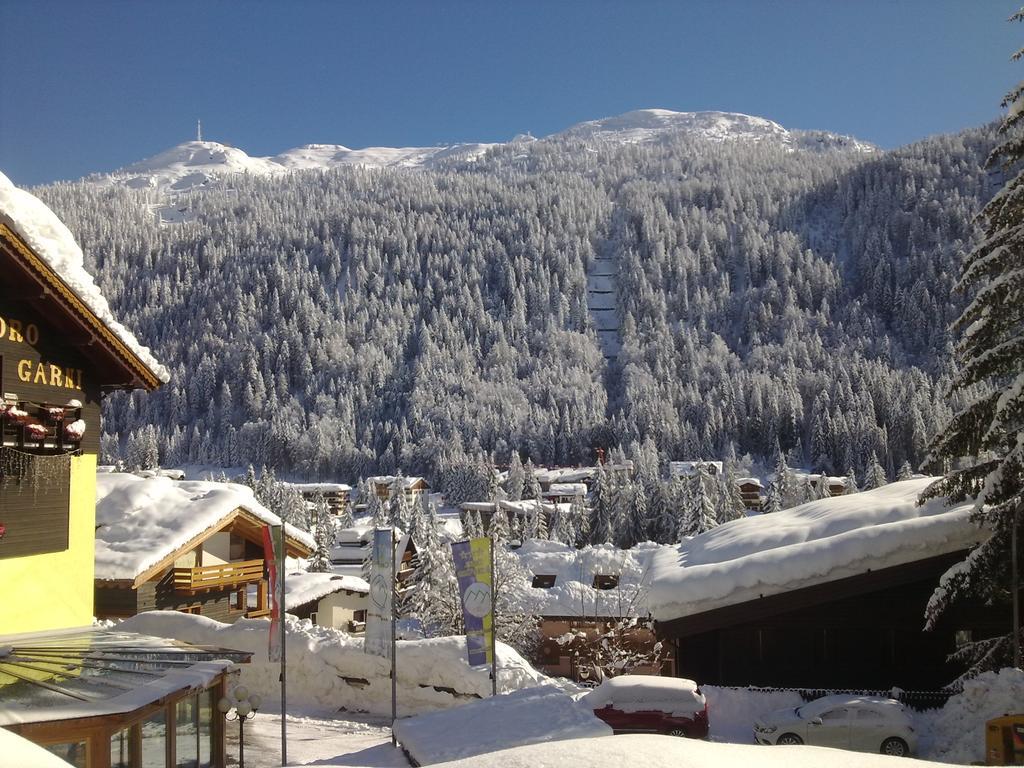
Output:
x=271 y=539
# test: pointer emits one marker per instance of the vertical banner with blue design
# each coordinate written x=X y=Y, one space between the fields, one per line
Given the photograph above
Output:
x=473 y=569
x=378 y=615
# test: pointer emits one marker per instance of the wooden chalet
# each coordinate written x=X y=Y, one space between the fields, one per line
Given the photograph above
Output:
x=584 y=596
x=337 y=496
x=194 y=547
x=751 y=491
x=386 y=485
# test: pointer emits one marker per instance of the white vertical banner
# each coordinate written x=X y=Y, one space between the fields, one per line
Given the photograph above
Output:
x=378 y=616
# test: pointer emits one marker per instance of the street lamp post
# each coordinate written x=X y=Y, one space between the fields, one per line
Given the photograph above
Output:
x=244 y=706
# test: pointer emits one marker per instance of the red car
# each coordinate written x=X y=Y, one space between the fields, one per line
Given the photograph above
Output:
x=652 y=704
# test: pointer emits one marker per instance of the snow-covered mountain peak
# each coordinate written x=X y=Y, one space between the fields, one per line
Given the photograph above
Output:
x=643 y=125
x=197 y=164
x=648 y=124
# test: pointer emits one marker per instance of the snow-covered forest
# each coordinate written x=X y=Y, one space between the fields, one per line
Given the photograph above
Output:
x=341 y=323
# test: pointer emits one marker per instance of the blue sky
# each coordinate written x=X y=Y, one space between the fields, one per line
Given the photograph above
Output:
x=91 y=86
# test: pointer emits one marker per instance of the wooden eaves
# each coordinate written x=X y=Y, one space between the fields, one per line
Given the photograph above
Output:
x=45 y=292
x=241 y=518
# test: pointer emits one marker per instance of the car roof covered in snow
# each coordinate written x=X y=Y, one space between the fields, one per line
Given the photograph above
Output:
x=890 y=707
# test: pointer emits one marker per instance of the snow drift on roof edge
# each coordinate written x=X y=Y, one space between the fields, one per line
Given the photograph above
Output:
x=814 y=543
x=141 y=520
x=53 y=242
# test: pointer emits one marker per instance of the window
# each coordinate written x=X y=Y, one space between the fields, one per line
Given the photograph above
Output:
x=869 y=715
x=962 y=637
x=121 y=749
x=236 y=549
x=73 y=752
x=195 y=610
x=154 y=740
x=833 y=715
x=186 y=732
x=606 y=580
x=544 y=580
x=359 y=615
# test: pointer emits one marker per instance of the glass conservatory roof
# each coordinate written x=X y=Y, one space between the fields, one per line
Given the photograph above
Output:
x=100 y=671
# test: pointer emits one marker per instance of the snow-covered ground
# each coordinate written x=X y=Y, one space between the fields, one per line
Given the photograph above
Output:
x=651 y=751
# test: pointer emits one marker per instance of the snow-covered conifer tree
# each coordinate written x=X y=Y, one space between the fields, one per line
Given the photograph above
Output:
x=730 y=502
x=699 y=512
x=323 y=535
x=773 y=498
x=602 y=510
x=850 y=485
x=905 y=471
x=989 y=378
x=515 y=481
x=821 y=490
x=531 y=486
x=874 y=475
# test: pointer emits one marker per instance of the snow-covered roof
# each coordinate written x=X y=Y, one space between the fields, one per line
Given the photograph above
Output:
x=749 y=481
x=53 y=242
x=301 y=588
x=563 y=474
x=321 y=487
x=141 y=520
x=814 y=543
x=566 y=489
x=573 y=593
x=389 y=480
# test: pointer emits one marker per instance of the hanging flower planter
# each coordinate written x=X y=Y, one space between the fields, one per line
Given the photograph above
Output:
x=36 y=430
x=15 y=414
x=75 y=430
x=54 y=414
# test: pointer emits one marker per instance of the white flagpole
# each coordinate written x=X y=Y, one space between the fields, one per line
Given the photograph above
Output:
x=281 y=563
x=494 y=628
x=394 y=644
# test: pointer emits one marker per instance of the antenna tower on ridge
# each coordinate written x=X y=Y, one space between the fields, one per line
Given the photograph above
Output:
x=199 y=130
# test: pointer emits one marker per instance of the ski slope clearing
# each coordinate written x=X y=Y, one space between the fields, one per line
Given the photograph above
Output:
x=652 y=751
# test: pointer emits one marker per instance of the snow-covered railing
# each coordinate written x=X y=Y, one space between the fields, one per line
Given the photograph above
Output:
x=216 y=576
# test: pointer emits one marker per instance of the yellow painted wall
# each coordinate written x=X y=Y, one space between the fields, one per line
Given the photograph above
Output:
x=55 y=590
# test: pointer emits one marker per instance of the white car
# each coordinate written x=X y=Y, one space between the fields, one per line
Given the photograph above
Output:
x=861 y=723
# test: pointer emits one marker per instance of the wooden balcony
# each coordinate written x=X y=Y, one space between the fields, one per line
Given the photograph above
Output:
x=192 y=580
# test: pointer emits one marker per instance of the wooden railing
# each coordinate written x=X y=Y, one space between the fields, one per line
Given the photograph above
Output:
x=217 y=576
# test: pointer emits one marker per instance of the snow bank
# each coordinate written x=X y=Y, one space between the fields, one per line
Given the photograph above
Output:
x=17 y=752
x=53 y=242
x=956 y=733
x=141 y=520
x=651 y=751
x=814 y=543
x=301 y=588
x=732 y=712
x=328 y=671
x=532 y=716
